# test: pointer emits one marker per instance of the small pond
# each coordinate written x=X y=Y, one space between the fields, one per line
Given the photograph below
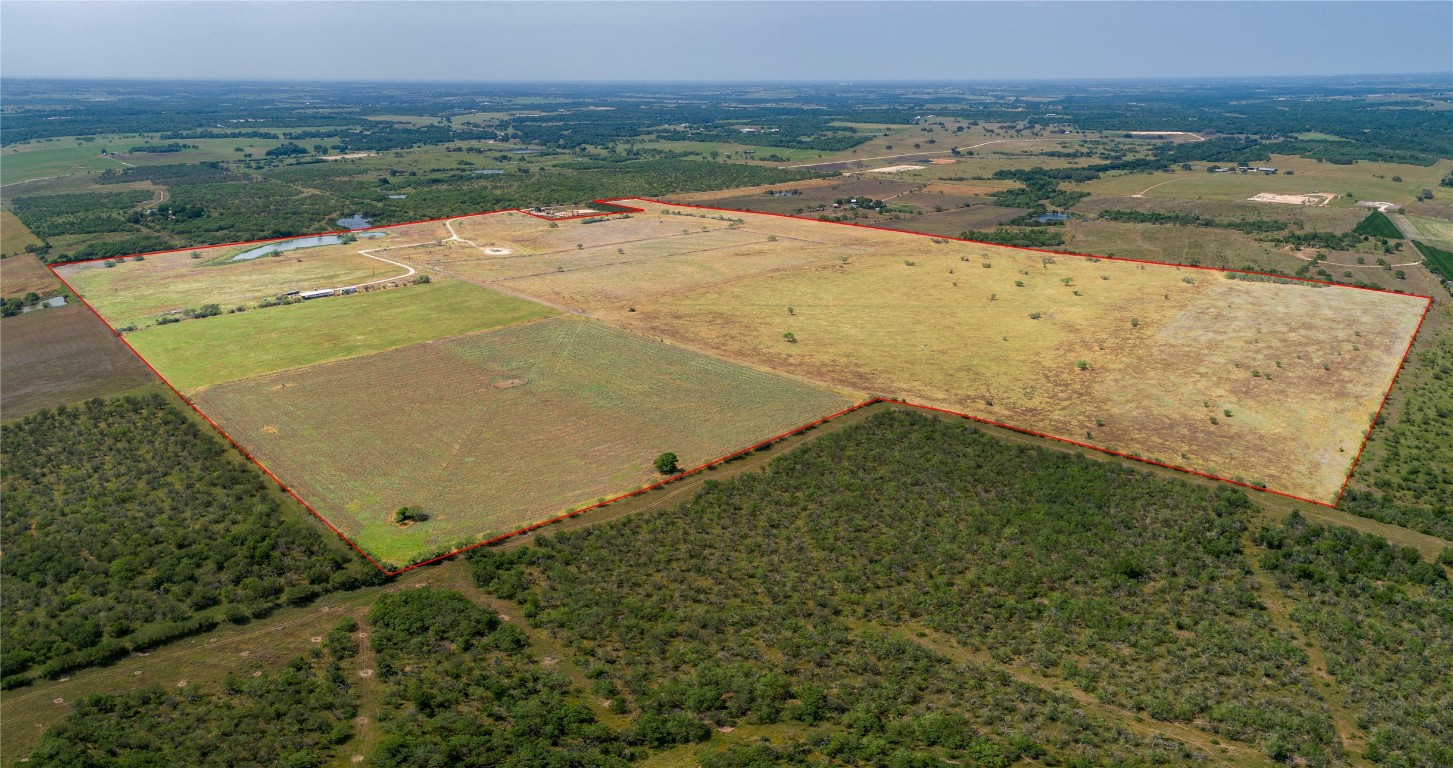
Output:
x=1045 y=218
x=291 y=245
x=487 y=171
x=356 y=221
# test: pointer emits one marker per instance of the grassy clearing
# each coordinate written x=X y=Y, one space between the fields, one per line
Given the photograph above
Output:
x=489 y=432
x=60 y=356
x=199 y=353
x=1164 y=349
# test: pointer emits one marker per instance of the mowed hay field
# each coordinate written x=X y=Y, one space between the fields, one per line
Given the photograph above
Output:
x=59 y=356
x=490 y=432
x=206 y=351
x=1301 y=368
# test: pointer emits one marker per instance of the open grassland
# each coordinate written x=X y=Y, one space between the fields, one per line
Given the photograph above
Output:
x=1206 y=246
x=632 y=265
x=14 y=235
x=1363 y=180
x=68 y=157
x=39 y=161
x=137 y=292
x=587 y=266
x=20 y=275
x=1166 y=352
x=206 y=351
x=490 y=432
x=60 y=356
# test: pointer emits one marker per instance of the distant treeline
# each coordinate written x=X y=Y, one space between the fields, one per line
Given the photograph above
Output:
x=1191 y=220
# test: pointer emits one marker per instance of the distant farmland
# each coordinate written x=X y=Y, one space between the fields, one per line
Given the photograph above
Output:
x=490 y=432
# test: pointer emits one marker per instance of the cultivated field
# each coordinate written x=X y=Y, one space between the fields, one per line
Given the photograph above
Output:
x=206 y=351
x=60 y=356
x=1300 y=368
x=489 y=432
x=24 y=274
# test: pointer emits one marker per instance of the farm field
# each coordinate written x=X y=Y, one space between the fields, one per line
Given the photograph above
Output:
x=14 y=235
x=137 y=292
x=1437 y=232
x=207 y=351
x=1364 y=180
x=1221 y=248
x=1165 y=349
x=489 y=432
x=20 y=275
x=43 y=160
x=60 y=356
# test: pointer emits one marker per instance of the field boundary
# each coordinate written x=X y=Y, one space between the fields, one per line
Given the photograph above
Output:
x=616 y=202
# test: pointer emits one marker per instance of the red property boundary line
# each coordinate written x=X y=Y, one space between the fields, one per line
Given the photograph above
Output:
x=626 y=209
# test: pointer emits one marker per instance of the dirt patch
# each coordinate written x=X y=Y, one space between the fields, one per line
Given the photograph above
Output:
x=1314 y=198
x=508 y=383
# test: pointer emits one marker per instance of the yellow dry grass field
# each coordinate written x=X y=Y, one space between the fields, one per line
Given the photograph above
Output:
x=14 y=235
x=586 y=267
x=1165 y=349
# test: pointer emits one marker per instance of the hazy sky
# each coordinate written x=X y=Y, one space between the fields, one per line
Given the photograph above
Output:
x=752 y=41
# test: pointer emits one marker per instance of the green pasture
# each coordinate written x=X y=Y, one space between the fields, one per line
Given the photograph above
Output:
x=197 y=353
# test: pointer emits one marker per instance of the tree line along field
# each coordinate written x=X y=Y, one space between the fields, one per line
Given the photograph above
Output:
x=487 y=433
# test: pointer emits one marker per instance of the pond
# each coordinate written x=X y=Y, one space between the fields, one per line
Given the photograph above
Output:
x=397 y=197
x=487 y=171
x=1045 y=218
x=356 y=221
x=290 y=245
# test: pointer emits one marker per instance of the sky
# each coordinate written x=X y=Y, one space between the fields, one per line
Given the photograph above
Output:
x=696 y=40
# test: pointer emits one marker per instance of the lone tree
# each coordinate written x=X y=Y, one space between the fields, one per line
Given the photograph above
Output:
x=666 y=464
